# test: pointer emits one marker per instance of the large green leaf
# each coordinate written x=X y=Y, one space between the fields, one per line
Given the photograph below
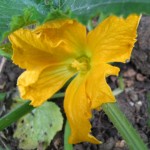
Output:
x=84 y=9
x=17 y=13
x=39 y=127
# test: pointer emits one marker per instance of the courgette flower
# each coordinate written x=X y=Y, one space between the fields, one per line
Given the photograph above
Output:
x=61 y=49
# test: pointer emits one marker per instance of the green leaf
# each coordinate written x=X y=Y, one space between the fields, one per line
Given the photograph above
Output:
x=39 y=127
x=15 y=14
x=4 y=54
x=84 y=9
x=57 y=14
x=6 y=50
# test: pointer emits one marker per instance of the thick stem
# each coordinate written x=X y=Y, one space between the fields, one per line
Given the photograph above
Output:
x=124 y=127
x=67 y=146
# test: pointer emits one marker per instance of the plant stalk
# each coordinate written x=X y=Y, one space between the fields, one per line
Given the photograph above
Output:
x=124 y=127
x=67 y=146
x=20 y=111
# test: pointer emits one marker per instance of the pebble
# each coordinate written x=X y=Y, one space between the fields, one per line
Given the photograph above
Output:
x=138 y=105
x=131 y=103
x=120 y=144
x=129 y=89
x=57 y=142
x=140 y=77
x=133 y=96
x=110 y=143
x=129 y=83
x=129 y=73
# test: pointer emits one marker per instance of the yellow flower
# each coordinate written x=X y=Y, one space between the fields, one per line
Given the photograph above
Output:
x=61 y=49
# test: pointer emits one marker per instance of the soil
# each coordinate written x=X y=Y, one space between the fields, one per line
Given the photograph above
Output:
x=134 y=101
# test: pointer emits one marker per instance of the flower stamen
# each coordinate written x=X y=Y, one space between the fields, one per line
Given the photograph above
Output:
x=81 y=64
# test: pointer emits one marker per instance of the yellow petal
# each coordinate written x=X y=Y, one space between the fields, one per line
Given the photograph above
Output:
x=50 y=43
x=97 y=88
x=113 y=39
x=58 y=23
x=70 y=31
x=78 y=111
x=39 y=85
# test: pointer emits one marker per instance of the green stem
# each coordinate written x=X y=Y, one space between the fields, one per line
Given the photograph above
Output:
x=20 y=111
x=126 y=130
x=58 y=95
x=67 y=146
x=15 y=115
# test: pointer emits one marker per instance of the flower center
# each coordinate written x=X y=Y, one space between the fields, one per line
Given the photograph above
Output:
x=81 y=64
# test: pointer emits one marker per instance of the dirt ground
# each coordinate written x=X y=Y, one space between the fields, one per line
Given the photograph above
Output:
x=134 y=100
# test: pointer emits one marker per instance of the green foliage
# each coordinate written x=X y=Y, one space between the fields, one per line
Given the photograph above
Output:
x=19 y=109
x=15 y=14
x=15 y=114
x=57 y=14
x=6 y=50
x=85 y=9
x=24 y=20
x=121 y=83
x=39 y=127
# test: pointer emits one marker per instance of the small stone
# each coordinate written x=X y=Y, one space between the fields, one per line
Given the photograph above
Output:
x=57 y=143
x=120 y=144
x=133 y=96
x=140 y=77
x=138 y=105
x=129 y=73
x=129 y=89
x=131 y=103
x=129 y=83
x=110 y=143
